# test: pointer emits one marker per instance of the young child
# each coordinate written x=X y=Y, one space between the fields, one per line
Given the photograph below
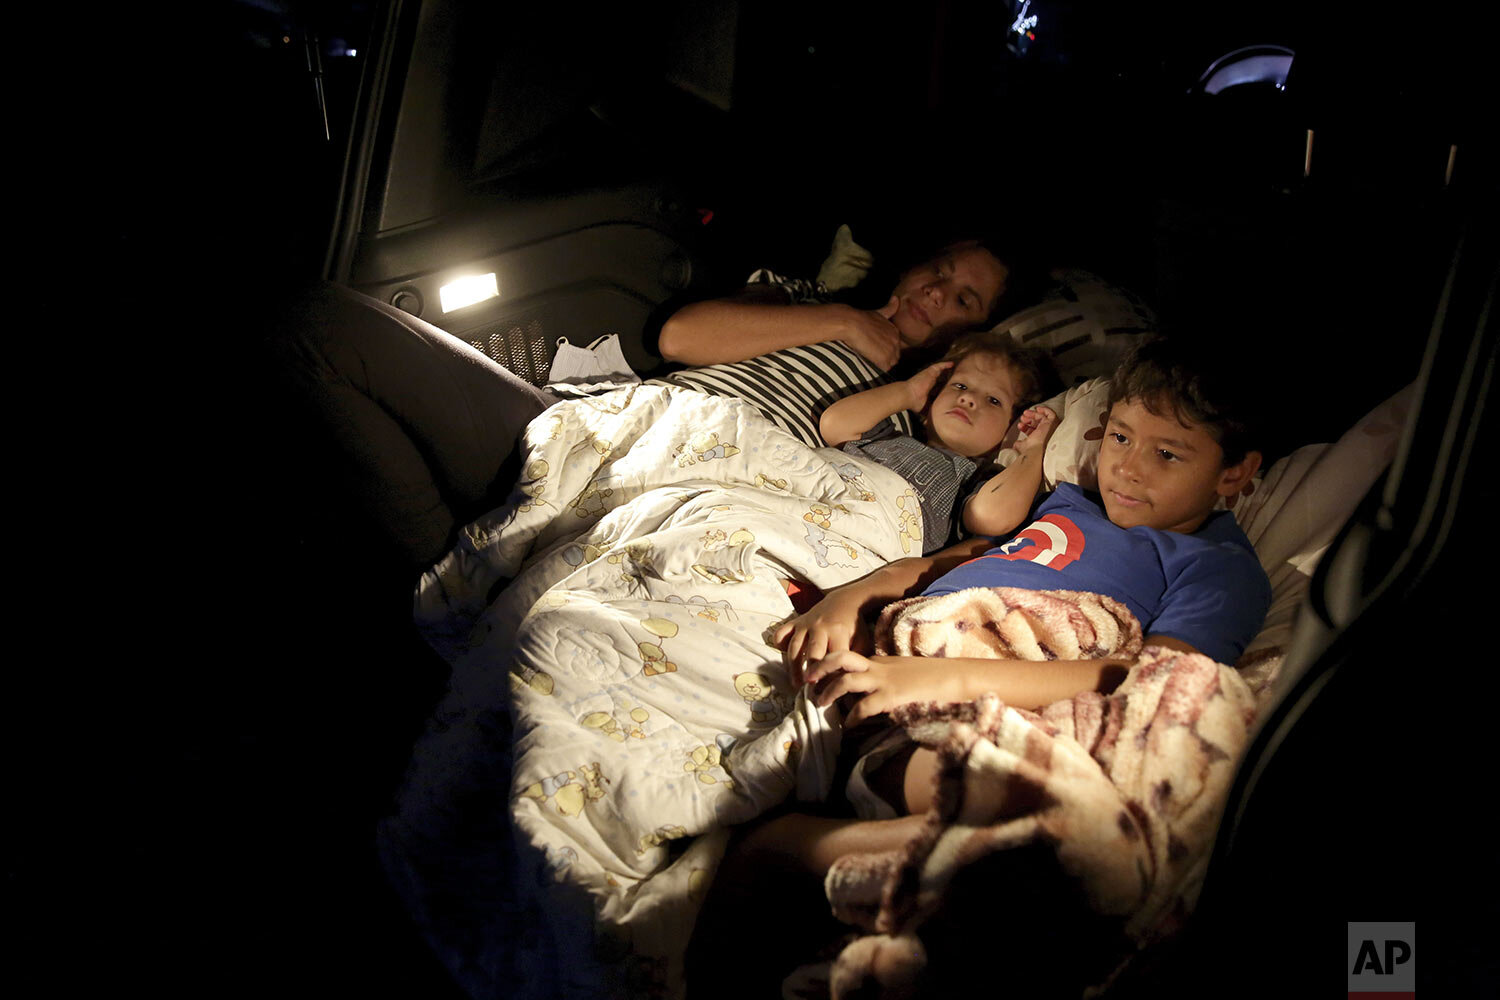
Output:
x=962 y=427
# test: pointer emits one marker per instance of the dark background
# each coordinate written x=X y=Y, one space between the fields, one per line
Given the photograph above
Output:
x=211 y=832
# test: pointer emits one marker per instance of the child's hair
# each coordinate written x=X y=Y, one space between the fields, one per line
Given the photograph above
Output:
x=1169 y=376
x=1034 y=374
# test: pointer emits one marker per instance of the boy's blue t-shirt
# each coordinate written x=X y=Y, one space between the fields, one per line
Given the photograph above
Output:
x=1206 y=588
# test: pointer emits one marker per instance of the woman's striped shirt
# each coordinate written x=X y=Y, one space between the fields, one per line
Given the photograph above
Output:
x=793 y=386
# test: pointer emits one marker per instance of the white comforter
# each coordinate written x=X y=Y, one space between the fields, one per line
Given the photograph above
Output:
x=648 y=542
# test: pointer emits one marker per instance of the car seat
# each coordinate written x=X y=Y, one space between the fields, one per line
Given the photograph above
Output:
x=1349 y=803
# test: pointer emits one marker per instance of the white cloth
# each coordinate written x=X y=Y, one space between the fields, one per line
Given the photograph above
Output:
x=601 y=361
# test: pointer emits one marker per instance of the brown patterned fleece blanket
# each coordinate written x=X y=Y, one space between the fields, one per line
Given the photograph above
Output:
x=1060 y=842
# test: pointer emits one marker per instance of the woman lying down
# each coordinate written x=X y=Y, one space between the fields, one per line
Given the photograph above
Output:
x=617 y=709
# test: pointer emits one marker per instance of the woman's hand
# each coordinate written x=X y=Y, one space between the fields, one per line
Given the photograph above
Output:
x=921 y=384
x=832 y=625
x=871 y=333
x=885 y=682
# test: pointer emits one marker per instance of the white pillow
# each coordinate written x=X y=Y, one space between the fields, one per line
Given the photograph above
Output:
x=1072 y=454
x=1301 y=504
x=1085 y=324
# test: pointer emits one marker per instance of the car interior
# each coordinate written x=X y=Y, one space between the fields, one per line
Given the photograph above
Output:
x=1312 y=190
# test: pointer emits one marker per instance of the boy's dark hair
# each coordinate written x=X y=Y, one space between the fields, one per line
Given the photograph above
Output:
x=1173 y=378
x=1036 y=378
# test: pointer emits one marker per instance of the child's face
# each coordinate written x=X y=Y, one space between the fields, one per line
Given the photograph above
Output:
x=1157 y=473
x=971 y=414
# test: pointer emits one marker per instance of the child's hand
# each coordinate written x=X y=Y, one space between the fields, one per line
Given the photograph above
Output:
x=832 y=625
x=921 y=384
x=885 y=681
x=1036 y=426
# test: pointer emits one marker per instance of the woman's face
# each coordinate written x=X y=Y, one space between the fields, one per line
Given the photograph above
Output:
x=954 y=291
